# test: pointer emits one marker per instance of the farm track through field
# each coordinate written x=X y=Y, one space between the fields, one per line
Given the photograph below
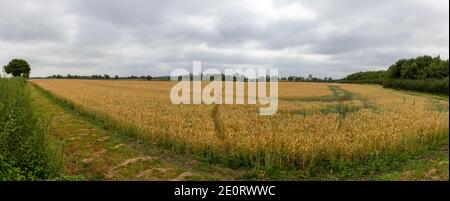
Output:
x=339 y=97
x=89 y=152
x=218 y=125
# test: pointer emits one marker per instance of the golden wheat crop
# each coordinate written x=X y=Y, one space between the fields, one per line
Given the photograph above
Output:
x=369 y=122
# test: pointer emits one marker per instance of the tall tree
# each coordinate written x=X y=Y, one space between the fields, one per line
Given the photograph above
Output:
x=18 y=67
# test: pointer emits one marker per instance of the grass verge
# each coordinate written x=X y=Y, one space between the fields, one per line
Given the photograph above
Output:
x=24 y=151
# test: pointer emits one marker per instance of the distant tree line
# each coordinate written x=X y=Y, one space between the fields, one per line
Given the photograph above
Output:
x=222 y=77
x=106 y=77
x=236 y=77
x=424 y=73
x=310 y=78
x=370 y=77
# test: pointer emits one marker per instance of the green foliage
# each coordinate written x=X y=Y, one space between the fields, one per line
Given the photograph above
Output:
x=377 y=81
x=424 y=73
x=24 y=153
x=423 y=67
x=18 y=67
x=436 y=86
x=369 y=76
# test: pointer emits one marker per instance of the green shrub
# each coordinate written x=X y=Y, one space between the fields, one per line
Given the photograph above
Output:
x=365 y=77
x=436 y=86
x=423 y=73
x=369 y=81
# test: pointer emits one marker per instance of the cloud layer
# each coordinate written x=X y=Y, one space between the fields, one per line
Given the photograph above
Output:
x=140 y=37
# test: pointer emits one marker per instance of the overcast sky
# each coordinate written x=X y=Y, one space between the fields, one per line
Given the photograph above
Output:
x=140 y=37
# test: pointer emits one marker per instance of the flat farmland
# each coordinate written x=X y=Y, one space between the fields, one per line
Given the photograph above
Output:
x=318 y=125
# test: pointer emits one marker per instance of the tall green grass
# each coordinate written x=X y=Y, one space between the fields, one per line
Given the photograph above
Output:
x=24 y=152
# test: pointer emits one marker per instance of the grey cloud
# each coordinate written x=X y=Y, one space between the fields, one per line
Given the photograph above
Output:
x=23 y=21
x=154 y=37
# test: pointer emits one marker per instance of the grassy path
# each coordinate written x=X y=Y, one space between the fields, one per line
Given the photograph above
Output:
x=89 y=153
x=431 y=166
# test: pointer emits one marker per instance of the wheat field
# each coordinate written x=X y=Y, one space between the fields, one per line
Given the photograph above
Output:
x=315 y=122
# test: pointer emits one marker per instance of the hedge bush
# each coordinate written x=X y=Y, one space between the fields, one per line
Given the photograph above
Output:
x=436 y=86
